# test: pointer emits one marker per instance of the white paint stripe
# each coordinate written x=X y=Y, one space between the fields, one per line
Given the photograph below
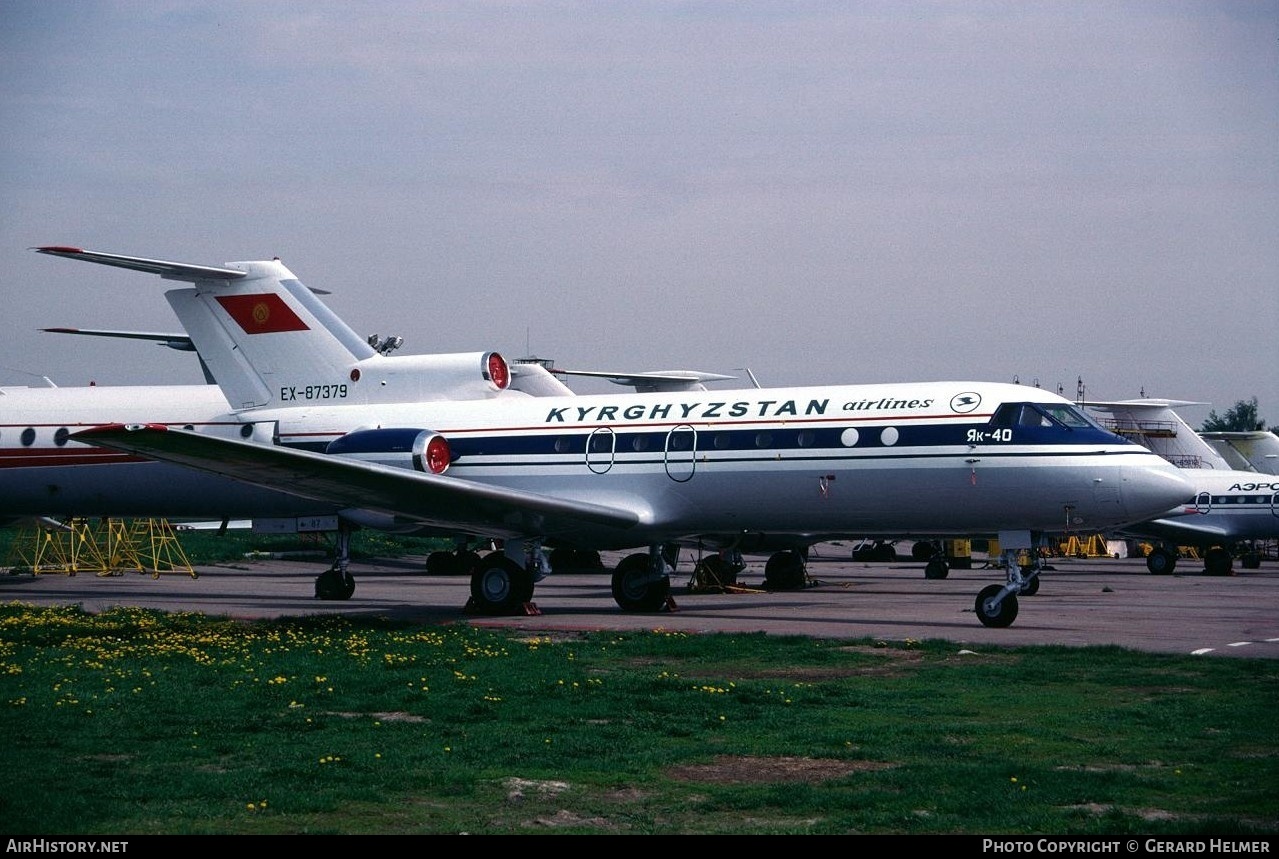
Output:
x=1201 y=651
x=1238 y=644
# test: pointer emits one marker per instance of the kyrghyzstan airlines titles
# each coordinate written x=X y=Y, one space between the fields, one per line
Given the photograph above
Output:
x=724 y=409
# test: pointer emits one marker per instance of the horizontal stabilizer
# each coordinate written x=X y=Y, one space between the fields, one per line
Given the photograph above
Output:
x=181 y=342
x=661 y=380
x=164 y=268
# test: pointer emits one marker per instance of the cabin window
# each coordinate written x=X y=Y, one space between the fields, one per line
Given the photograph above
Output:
x=28 y=437
x=681 y=440
x=563 y=444
x=60 y=437
x=763 y=439
x=246 y=431
x=806 y=438
x=639 y=443
x=723 y=441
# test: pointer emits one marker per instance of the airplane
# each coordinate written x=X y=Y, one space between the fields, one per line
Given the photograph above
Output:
x=1255 y=450
x=1232 y=509
x=444 y=443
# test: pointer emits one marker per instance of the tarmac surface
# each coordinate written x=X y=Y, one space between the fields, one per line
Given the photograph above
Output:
x=1081 y=602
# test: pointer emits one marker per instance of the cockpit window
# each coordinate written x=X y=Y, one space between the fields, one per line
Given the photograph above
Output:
x=1069 y=415
x=1041 y=415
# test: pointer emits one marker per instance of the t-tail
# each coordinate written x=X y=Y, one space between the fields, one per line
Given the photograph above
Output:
x=269 y=341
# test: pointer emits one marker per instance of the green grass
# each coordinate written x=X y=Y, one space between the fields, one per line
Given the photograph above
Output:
x=139 y=722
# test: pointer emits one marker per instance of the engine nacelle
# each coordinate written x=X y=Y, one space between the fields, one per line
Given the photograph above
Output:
x=418 y=449
x=453 y=376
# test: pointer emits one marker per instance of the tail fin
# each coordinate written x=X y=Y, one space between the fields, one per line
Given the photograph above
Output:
x=268 y=340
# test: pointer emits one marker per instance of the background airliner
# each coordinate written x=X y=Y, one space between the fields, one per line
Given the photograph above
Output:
x=447 y=443
x=1234 y=505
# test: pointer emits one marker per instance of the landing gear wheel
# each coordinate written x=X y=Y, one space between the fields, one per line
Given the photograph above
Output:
x=1161 y=562
x=588 y=560
x=922 y=551
x=993 y=615
x=442 y=564
x=636 y=588
x=1031 y=587
x=1251 y=560
x=715 y=572
x=936 y=568
x=563 y=560
x=467 y=561
x=334 y=584
x=784 y=571
x=1217 y=562
x=500 y=586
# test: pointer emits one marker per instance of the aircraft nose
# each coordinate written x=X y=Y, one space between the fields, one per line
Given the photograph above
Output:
x=1152 y=491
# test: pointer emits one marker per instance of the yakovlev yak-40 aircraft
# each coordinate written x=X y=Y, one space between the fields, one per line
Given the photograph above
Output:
x=444 y=442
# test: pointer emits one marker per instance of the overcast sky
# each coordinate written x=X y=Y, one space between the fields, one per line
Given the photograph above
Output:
x=823 y=192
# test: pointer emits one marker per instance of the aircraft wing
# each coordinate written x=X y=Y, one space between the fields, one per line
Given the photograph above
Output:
x=429 y=499
x=1178 y=530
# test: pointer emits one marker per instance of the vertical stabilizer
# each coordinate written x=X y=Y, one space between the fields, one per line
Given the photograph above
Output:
x=1154 y=425
x=268 y=340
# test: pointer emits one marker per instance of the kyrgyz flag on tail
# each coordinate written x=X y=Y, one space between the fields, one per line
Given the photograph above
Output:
x=263 y=313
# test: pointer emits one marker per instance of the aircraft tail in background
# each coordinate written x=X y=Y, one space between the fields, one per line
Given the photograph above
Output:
x=268 y=341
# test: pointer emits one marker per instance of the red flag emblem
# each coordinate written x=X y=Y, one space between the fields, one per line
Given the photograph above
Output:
x=263 y=313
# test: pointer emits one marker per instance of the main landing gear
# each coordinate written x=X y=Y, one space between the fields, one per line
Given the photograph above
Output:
x=1162 y=560
x=502 y=582
x=337 y=583
x=642 y=581
x=787 y=570
x=996 y=605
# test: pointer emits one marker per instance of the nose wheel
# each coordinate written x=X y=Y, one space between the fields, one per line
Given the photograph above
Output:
x=996 y=606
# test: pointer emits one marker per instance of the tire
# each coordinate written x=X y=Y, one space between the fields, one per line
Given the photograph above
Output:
x=994 y=616
x=588 y=560
x=467 y=561
x=500 y=586
x=635 y=588
x=785 y=572
x=334 y=585
x=1161 y=562
x=563 y=560
x=936 y=568
x=1217 y=562
x=715 y=572
x=922 y=551
x=1031 y=587
x=442 y=564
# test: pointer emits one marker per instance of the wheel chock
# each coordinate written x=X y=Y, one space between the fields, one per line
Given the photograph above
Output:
x=528 y=609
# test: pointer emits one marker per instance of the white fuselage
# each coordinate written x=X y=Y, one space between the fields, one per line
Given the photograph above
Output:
x=867 y=460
